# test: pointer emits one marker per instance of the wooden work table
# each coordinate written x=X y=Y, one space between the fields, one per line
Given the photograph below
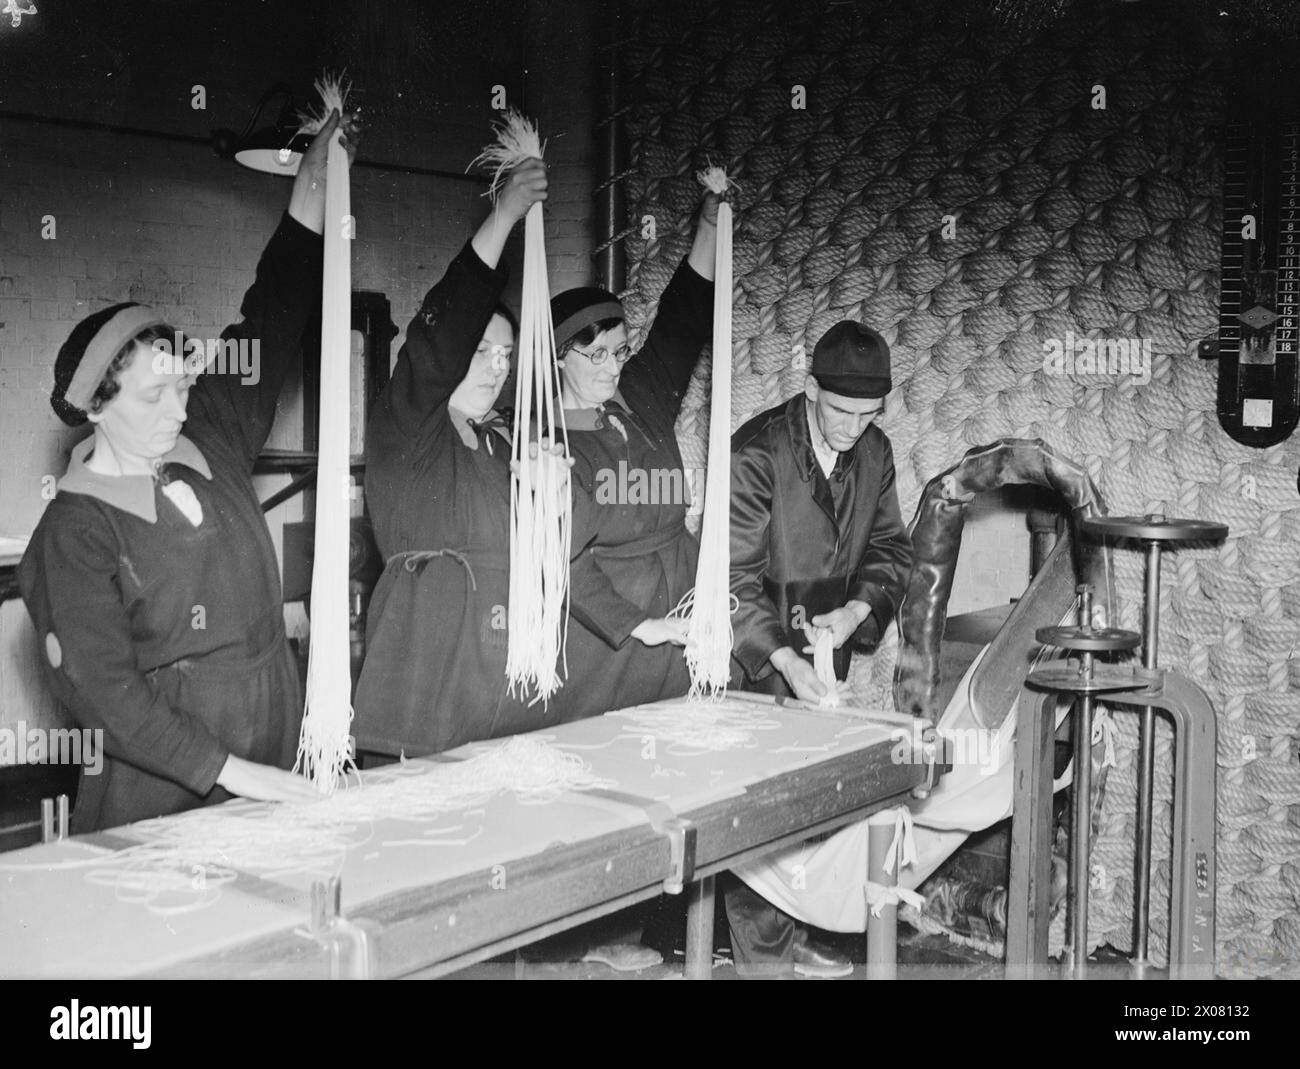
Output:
x=431 y=897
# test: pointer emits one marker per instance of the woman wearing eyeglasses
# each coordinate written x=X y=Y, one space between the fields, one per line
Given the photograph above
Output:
x=634 y=558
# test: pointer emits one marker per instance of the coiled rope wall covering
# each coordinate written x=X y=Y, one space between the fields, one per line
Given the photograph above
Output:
x=1104 y=223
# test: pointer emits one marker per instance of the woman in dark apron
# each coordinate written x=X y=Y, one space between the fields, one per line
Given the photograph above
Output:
x=151 y=577
x=634 y=557
x=438 y=490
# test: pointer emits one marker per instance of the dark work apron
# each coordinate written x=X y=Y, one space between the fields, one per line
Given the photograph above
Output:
x=435 y=672
x=641 y=570
x=253 y=707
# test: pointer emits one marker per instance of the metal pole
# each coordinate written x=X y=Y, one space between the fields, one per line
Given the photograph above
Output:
x=699 y=929
x=1082 y=809
x=882 y=931
x=611 y=207
x=1146 y=764
x=1082 y=824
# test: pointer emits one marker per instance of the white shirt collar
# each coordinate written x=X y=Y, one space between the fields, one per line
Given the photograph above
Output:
x=826 y=455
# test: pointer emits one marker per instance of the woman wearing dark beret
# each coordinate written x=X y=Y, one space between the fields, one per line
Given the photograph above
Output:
x=634 y=558
x=151 y=577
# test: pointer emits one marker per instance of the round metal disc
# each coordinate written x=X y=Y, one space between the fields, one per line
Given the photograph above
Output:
x=1090 y=639
x=1155 y=528
x=1067 y=680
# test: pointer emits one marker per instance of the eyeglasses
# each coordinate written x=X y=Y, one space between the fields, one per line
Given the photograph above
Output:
x=499 y=355
x=598 y=356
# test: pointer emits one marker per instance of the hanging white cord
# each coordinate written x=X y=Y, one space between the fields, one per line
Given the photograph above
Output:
x=324 y=743
x=709 y=636
x=540 y=504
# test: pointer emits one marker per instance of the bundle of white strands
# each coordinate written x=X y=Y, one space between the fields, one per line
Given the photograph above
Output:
x=824 y=665
x=324 y=744
x=709 y=636
x=540 y=505
x=725 y=724
x=185 y=859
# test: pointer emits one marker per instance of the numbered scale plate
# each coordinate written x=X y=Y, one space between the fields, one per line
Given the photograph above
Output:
x=1259 y=387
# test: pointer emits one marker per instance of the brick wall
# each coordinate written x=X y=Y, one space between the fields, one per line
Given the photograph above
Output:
x=171 y=226
x=561 y=92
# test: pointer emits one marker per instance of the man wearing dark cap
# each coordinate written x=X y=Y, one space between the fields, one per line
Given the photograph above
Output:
x=817 y=540
x=817 y=545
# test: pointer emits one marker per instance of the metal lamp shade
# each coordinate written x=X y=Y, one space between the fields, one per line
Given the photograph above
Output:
x=272 y=151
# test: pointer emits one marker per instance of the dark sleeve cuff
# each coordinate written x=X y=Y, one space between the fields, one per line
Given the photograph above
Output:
x=607 y=615
x=618 y=630
x=882 y=609
x=761 y=672
x=754 y=655
x=203 y=777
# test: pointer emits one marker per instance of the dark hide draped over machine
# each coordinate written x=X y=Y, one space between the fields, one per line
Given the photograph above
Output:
x=936 y=532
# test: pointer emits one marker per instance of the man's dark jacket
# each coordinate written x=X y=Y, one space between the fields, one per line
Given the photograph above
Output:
x=802 y=544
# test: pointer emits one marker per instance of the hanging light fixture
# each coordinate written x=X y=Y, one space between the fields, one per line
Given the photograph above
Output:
x=272 y=149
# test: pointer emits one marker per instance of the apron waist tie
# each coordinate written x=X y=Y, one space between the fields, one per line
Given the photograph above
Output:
x=207 y=663
x=412 y=558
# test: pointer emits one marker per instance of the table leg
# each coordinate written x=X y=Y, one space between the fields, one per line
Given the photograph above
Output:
x=882 y=931
x=699 y=930
x=1081 y=825
x=1146 y=768
x=1028 y=897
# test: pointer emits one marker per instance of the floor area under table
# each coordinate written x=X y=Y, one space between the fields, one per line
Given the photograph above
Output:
x=920 y=956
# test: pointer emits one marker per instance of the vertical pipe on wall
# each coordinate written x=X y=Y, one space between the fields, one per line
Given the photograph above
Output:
x=611 y=160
